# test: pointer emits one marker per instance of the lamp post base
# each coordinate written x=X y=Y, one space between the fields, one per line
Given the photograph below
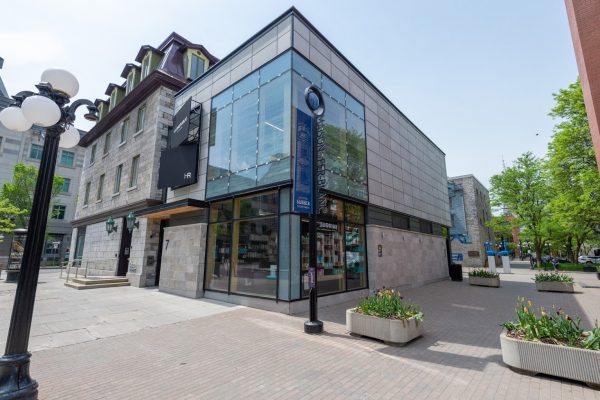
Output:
x=15 y=382
x=313 y=326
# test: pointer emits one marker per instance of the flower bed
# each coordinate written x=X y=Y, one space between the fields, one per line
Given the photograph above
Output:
x=482 y=277
x=551 y=343
x=553 y=282
x=385 y=316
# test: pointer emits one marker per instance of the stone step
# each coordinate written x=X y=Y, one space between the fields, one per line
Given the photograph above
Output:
x=80 y=286
x=95 y=280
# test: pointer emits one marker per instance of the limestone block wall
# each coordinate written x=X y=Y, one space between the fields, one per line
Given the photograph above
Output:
x=144 y=253
x=408 y=258
x=182 y=266
x=101 y=251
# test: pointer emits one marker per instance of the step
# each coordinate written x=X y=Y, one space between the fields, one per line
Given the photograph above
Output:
x=94 y=280
x=80 y=286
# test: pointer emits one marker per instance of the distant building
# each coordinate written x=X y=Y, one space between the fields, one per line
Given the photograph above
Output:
x=26 y=148
x=584 y=20
x=470 y=211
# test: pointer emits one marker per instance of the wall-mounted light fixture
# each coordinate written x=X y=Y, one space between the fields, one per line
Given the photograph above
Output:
x=132 y=223
x=111 y=226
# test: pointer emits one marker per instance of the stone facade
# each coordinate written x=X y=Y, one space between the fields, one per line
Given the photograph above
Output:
x=183 y=256
x=407 y=258
x=470 y=207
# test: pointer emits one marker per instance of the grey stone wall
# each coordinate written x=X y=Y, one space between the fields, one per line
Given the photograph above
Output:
x=101 y=250
x=147 y=143
x=144 y=253
x=478 y=212
x=408 y=258
x=182 y=266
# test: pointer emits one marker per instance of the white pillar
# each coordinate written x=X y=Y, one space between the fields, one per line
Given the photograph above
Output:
x=506 y=264
x=492 y=263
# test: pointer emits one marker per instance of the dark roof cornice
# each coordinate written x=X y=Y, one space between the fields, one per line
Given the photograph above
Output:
x=110 y=88
x=144 y=49
x=156 y=79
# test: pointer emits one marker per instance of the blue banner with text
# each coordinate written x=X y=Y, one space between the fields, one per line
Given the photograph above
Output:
x=303 y=173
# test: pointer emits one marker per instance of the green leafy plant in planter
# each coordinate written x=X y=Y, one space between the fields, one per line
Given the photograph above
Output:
x=556 y=327
x=483 y=273
x=387 y=303
x=552 y=277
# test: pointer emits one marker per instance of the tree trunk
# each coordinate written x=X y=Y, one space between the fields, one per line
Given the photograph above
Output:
x=569 y=248
x=577 y=250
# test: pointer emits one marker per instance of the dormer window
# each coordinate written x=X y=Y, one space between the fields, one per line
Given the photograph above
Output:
x=146 y=65
x=113 y=99
x=130 y=81
x=196 y=66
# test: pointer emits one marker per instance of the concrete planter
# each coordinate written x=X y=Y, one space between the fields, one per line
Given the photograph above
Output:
x=566 y=287
x=478 y=281
x=12 y=275
x=391 y=331
x=541 y=358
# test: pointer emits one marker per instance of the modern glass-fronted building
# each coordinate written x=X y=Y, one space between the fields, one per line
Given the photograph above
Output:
x=231 y=231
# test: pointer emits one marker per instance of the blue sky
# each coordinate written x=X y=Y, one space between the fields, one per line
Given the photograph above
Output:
x=476 y=76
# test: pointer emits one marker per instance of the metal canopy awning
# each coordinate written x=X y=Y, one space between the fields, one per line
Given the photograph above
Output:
x=167 y=210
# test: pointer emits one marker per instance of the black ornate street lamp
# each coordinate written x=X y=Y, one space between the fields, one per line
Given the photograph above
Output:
x=49 y=109
x=314 y=100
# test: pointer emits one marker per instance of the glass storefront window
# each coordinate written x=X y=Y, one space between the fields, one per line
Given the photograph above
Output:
x=243 y=245
x=219 y=257
x=356 y=267
x=254 y=268
x=243 y=133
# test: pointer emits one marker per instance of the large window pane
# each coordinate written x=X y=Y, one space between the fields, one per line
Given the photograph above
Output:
x=243 y=133
x=274 y=172
x=217 y=187
x=242 y=180
x=221 y=211
x=257 y=205
x=218 y=142
x=219 y=258
x=245 y=86
x=256 y=257
x=356 y=267
x=274 y=120
x=305 y=69
x=276 y=67
x=333 y=90
x=222 y=99
x=357 y=159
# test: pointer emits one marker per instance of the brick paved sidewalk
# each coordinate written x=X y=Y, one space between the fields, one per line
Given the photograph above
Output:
x=253 y=354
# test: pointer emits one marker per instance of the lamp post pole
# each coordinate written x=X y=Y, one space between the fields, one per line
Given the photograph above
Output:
x=315 y=103
x=15 y=381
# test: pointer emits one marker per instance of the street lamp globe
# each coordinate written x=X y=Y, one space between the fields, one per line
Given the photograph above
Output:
x=41 y=111
x=61 y=80
x=12 y=118
x=70 y=138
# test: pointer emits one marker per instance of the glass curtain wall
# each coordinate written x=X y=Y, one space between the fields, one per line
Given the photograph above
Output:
x=250 y=131
x=344 y=118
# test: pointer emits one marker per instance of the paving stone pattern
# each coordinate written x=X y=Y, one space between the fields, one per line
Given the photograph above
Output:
x=254 y=354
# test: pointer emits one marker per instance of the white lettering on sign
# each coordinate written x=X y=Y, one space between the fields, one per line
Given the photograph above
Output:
x=178 y=127
x=187 y=175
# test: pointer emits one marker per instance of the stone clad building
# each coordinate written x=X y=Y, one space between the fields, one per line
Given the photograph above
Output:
x=233 y=226
x=26 y=148
x=122 y=154
x=470 y=211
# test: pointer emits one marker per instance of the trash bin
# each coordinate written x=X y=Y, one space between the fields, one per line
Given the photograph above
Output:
x=456 y=272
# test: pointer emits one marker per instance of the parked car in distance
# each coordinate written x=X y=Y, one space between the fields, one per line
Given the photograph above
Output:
x=589 y=259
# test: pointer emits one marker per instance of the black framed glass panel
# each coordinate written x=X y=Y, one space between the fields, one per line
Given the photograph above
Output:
x=218 y=259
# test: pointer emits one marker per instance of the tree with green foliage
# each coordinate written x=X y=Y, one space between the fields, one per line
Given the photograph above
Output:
x=19 y=192
x=573 y=171
x=8 y=215
x=523 y=189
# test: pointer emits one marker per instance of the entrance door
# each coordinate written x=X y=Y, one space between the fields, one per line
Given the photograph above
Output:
x=125 y=249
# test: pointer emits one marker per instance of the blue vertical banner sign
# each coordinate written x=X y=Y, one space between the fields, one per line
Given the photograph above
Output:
x=303 y=171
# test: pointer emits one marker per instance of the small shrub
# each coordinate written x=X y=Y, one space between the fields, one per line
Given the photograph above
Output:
x=556 y=327
x=552 y=277
x=387 y=303
x=483 y=273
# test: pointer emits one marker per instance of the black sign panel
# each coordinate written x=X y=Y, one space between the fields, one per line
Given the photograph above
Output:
x=181 y=124
x=178 y=166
